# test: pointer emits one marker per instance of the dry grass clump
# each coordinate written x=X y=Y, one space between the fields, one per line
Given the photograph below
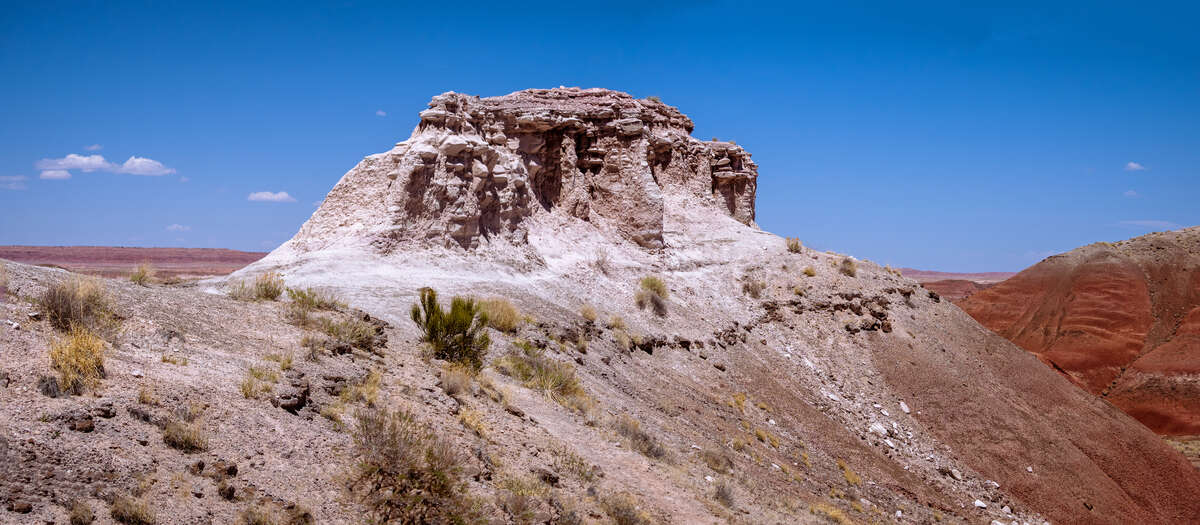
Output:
x=717 y=461
x=404 y=473
x=257 y=382
x=456 y=335
x=366 y=391
x=3 y=281
x=753 y=287
x=832 y=513
x=174 y=360
x=129 y=511
x=79 y=360
x=641 y=441
x=501 y=314
x=146 y=396
x=602 y=263
x=588 y=313
x=312 y=299
x=354 y=332
x=188 y=437
x=456 y=379
x=257 y=515
x=810 y=271
x=653 y=293
x=567 y=461
x=848 y=267
x=794 y=245
x=80 y=513
x=624 y=509
x=724 y=494
x=616 y=322
x=851 y=477
x=266 y=287
x=78 y=301
x=550 y=376
x=473 y=420
x=142 y=275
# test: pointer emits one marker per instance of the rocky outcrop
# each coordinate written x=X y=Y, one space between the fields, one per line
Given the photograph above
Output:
x=1120 y=320
x=477 y=169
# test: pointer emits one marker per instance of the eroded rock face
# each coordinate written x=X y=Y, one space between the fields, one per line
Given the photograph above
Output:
x=479 y=168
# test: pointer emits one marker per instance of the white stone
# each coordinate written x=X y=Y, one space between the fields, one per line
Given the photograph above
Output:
x=980 y=504
x=904 y=407
x=884 y=412
x=1006 y=509
x=878 y=428
x=708 y=479
x=1029 y=470
x=137 y=373
x=889 y=443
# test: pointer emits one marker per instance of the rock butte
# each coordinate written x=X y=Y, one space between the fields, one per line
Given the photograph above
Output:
x=479 y=169
x=1121 y=320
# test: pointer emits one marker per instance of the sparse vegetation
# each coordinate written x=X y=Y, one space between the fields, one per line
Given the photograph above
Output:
x=285 y=361
x=456 y=335
x=404 y=473
x=602 y=263
x=539 y=372
x=501 y=314
x=588 y=313
x=829 y=511
x=366 y=390
x=78 y=301
x=473 y=420
x=146 y=396
x=3 y=281
x=266 y=287
x=794 y=245
x=81 y=513
x=810 y=271
x=257 y=515
x=717 y=461
x=623 y=509
x=851 y=477
x=753 y=287
x=174 y=360
x=354 y=332
x=456 y=379
x=653 y=293
x=129 y=511
x=188 y=437
x=639 y=440
x=848 y=267
x=142 y=275
x=616 y=322
x=654 y=98
x=312 y=299
x=79 y=360
x=724 y=494
x=567 y=461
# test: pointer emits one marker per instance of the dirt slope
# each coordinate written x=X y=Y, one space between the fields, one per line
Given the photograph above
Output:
x=1121 y=320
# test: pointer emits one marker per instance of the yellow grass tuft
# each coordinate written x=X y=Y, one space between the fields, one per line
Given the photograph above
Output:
x=79 y=359
x=501 y=314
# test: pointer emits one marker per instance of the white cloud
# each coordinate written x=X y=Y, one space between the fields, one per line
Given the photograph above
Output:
x=1153 y=224
x=143 y=166
x=179 y=228
x=266 y=196
x=55 y=175
x=1133 y=166
x=12 y=182
x=1131 y=194
x=83 y=163
x=94 y=147
x=184 y=179
x=380 y=113
x=88 y=163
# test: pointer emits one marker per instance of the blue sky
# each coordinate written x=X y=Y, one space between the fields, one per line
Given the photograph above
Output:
x=930 y=136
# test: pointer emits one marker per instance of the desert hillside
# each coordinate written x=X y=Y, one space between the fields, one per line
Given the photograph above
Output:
x=120 y=261
x=1121 y=320
x=651 y=356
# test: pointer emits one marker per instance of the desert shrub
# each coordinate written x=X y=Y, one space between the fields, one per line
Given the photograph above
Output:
x=653 y=293
x=313 y=346
x=456 y=379
x=79 y=359
x=794 y=245
x=616 y=322
x=501 y=314
x=299 y=316
x=641 y=441
x=354 y=332
x=77 y=301
x=588 y=313
x=311 y=299
x=567 y=461
x=80 y=513
x=724 y=494
x=810 y=271
x=146 y=396
x=142 y=275
x=848 y=267
x=623 y=510
x=852 y=478
x=257 y=515
x=404 y=473
x=654 y=98
x=602 y=263
x=366 y=390
x=3 y=281
x=545 y=374
x=130 y=511
x=456 y=335
x=188 y=437
x=753 y=287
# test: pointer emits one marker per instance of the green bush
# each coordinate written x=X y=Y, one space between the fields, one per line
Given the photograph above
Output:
x=310 y=299
x=794 y=245
x=354 y=332
x=456 y=335
x=266 y=287
x=404 y=473
x=545 y=374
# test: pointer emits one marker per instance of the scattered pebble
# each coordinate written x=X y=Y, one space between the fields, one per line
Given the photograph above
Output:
x=137 y=373
x=904 y=407
x=1029 y=470
x=708 y=479
x=980 y=504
